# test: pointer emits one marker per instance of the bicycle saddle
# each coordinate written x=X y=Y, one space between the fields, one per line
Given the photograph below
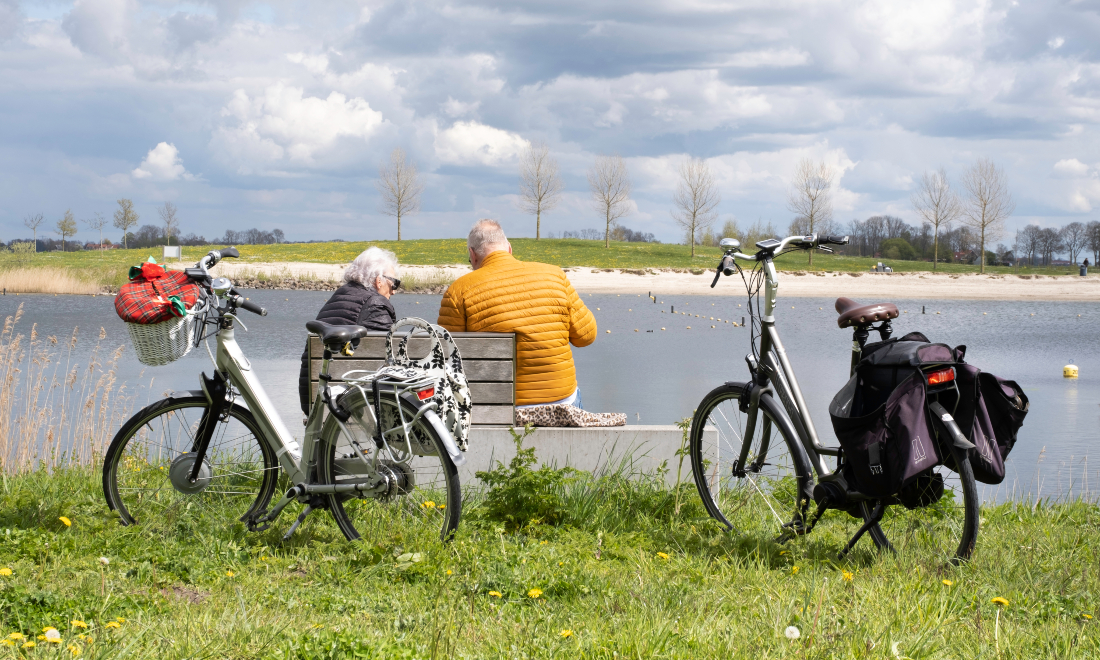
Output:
x=336 y=334
x=853 y=313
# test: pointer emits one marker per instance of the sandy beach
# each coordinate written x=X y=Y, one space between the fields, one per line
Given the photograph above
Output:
x=861 y=286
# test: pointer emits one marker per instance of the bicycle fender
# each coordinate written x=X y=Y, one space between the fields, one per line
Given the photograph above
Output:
x=943 y=417
x=799 y=452
x=456 y=454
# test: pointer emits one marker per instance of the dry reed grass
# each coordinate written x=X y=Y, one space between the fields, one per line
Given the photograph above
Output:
x=43 y=280
x=55 y=411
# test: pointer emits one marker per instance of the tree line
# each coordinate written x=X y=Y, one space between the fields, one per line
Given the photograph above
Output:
x=165 y=232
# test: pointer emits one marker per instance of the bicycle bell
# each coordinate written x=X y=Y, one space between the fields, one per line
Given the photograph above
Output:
x=221 y=286
x=729 y=244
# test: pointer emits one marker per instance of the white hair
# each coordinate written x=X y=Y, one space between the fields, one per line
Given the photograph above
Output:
x=369 y=265
x=485 y=237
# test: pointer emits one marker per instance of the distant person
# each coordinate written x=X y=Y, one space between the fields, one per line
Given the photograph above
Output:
x=1086 y=263
x=533 y=300
x=363 y=299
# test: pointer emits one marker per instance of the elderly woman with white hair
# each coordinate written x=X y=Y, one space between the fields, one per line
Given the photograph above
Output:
x=363 y=299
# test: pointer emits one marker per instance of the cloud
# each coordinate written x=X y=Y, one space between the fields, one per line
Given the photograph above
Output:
x=471 y=143
x=284 y=126
x=1071 y=167
x=162 y=163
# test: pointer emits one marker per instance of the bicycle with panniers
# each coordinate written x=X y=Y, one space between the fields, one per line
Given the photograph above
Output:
x=916 y=427
x=380 y=448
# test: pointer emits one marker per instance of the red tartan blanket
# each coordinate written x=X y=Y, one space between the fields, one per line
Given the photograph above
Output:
x=145 y=300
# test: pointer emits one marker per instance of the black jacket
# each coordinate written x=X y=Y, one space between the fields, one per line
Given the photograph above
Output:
x=351 y=304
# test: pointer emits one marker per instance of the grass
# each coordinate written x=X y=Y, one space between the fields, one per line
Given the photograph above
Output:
x=108 y=269
x=624 y=574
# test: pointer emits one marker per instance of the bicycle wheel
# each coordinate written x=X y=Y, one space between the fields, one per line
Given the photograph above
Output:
x=946 y=529
x=148 y=464
x=770 y=491
x=422 y=496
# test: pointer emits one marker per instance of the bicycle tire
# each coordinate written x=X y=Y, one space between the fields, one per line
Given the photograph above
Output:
x=948 y=528
x=715 y=443
x=142 y=480
x=431 y=499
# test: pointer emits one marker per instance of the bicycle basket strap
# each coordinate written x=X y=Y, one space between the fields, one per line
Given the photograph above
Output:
x=452 y=391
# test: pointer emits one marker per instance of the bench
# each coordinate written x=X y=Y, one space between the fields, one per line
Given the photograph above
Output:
x=489 y=359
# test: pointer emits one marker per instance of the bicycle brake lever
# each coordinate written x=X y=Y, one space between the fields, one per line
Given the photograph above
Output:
x=825 y=249
x=717 y=274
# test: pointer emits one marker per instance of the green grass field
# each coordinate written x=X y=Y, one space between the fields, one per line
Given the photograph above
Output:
x=109 y=268
x=621 y=574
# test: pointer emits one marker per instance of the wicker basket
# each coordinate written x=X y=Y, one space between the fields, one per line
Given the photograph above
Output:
x=158 y=344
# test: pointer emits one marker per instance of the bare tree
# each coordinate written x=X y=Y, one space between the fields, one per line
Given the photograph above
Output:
x=1050 y=243
x=811 y=195
x=399 y=184
x=66 y=227
x=1094 y=240
x=126 y=217
x=1030 y=242
x=97 y=222
x=610 y=185
x=937 y=204
x=171 y=223
x=540 y=185
x=279 y=236
x=1074 y=237
x=33 y=222
x=696 y=198
x=987 y=204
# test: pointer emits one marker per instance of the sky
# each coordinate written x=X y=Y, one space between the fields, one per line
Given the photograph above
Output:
x=279 y=114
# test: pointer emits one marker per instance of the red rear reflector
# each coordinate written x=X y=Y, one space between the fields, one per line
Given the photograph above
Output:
x=430 y=392
x=942 y=376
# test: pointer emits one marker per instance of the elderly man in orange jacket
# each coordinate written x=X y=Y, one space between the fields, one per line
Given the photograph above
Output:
x=533 y=300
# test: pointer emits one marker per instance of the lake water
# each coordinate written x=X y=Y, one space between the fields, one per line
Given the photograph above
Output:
x=658 y=377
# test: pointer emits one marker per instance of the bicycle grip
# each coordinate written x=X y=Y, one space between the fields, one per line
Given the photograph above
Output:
x=833 y=240
x=251 y=306
x=229 y=252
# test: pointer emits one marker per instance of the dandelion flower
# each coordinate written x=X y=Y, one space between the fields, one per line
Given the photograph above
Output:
x=104 y=561
x=114 y=624
x=15 y=635
x=5 y=571
x=566 y=633
x=534 y=593
x=794 y=570
x=79 y=624
x=947 y=583
x=663 y=555
x=448 y=572
x=1000 y=601
x=6 y=642
x=848 y=576
x=792 y=633
x=496 y=594
x=1086 y=616
x=28 y=644
x=65 y=521
x=73 y=648
x=428 y=505
x=52 y=636
x=120 y=619
x=229 y=574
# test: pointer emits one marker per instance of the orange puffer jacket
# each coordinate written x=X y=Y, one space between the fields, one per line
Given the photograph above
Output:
x=535 y=301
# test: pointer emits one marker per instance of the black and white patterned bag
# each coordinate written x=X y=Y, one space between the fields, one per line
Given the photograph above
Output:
x=443 y=363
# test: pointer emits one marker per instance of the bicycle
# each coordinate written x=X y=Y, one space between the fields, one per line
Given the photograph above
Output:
x=735 y=457
x=374 y=454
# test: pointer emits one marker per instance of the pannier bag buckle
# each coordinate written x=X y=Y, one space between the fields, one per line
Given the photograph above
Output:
x=876 y=459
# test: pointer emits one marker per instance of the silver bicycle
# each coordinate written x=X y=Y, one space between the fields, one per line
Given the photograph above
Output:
x=754 y=448
x=375 y=454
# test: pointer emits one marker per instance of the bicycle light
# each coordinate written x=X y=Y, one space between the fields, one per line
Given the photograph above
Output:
x=942 y=376
x=426 y=394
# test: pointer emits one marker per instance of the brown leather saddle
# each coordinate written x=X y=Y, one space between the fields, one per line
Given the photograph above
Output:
x=855 y=314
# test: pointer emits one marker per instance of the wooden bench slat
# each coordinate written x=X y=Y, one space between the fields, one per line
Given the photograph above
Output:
x=477 y=371
x=475 y=348
x=489 y=414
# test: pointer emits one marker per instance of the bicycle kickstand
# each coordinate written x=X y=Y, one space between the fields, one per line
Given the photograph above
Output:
x=297 y=523
x=876 y=516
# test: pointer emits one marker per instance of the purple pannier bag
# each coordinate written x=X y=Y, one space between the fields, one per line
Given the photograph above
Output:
x=990 y=412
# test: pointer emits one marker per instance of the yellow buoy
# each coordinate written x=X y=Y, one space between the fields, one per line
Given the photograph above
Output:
x=1069 y=371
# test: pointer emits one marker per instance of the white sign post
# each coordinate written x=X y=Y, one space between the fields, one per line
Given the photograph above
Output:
x=173 y=251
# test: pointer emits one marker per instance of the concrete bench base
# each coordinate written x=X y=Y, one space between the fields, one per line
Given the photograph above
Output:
x=595 y=450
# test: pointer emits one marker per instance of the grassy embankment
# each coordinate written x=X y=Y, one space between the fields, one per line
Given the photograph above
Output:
x=89 y=272
x=621 y=574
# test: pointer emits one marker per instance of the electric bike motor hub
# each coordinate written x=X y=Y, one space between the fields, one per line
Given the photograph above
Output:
x=397 y=478
x=179 y=474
